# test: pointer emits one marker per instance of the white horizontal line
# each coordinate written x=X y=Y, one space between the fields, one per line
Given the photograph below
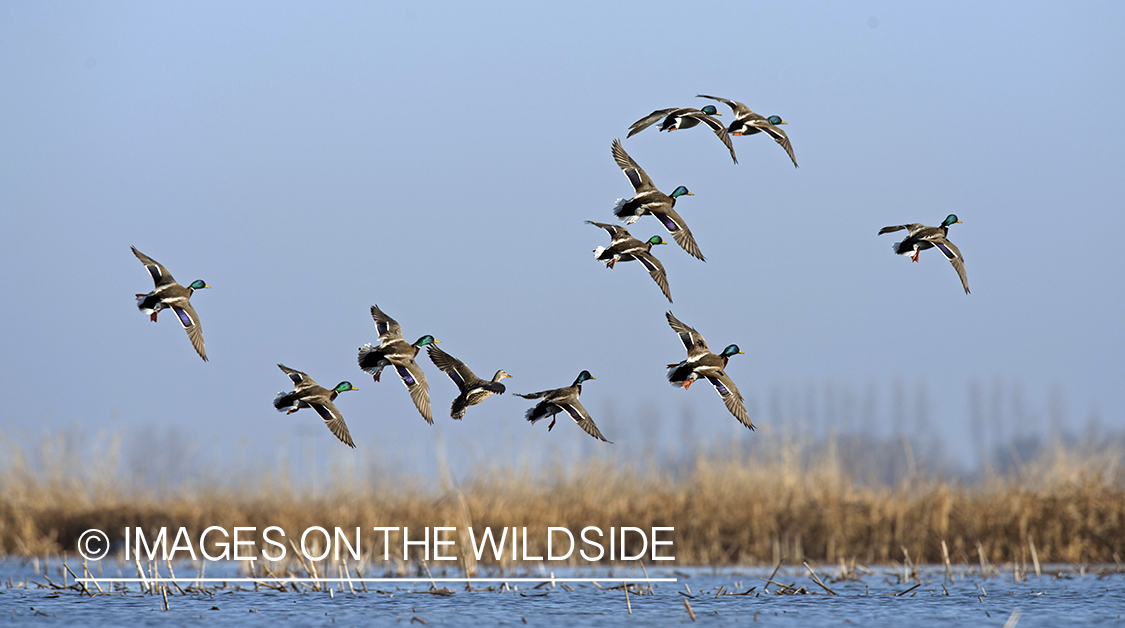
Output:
x=285 y=579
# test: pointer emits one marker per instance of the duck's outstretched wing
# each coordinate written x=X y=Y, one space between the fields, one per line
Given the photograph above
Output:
x=655 y=270
x=680 y=232
x=537 y=395
x=582 y=418
x=740 y=110
x=190 y=320
x=386 y=326
x=731 y=397
x=953 y=254
x=415 y=381
x=160 y=274
x=719 y=129
x=294 y=374
x=911 y=228
x=692 y=339
x=615 y=232
x=648 y=121
x=781 y=138
x=451 y=366
x=334 y=420
x=637 y=176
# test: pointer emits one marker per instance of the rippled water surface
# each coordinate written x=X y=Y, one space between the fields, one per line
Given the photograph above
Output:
x=879 y=597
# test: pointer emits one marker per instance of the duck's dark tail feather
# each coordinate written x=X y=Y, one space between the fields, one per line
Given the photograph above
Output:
x=148 y=303
x=369 y=358
x=679 y=373
x=457 y=410
x=286 y=401
x=539 y=411
x=625 y=208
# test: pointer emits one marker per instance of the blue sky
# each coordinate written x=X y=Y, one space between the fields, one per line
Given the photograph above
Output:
x=308 y=160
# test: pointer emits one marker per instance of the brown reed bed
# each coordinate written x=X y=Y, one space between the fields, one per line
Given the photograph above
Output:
x=786 y=504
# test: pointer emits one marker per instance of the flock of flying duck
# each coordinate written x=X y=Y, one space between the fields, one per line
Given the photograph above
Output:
x=701 y=362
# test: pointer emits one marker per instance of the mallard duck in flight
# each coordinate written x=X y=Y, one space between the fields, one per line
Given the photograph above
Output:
x=473 y=389
x=623 y=247
x=560 y=399
x=394 y=351
x=170 y=295
x=649 y=200
x=746 y=122
x=920 y=237
x=702 y=363
x=685 y=118
x=308 y=394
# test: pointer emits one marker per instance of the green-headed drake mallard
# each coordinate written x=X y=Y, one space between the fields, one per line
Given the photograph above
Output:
x=623 y=247
x=560 y=399
x=746 y=122
x=685 y=118
x=171 y=295
x=920 y=237
x=394 y=351
x=649 y=200
x=308 y=394
x=473 y=389
x=702 y=363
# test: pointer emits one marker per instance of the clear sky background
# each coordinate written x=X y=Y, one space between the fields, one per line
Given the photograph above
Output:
x=310 y=159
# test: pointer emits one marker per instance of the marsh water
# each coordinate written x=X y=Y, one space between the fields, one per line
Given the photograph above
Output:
x=41 y=592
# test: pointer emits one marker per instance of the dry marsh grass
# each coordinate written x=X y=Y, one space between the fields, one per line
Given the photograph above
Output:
x=790 y=502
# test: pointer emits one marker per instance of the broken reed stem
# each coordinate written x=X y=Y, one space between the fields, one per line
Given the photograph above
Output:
x=301 y=558
x=1034 y=556
x=908 y=564
x=812 y=574
x=345 y=572
x=651 y=592
x=85 y=570
x=945 y=557
x=783 y=586
x=363 y=584
x=76 y=582
x=907 y=591
x=173 y=574
x=141 y=574
x=433 y=585
x=690 y=612
x=775 y=570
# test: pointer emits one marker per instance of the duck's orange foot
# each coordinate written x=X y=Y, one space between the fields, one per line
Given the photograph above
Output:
x=153 y=317
x=688 y=383
x=552 y=425
x=612 y=262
